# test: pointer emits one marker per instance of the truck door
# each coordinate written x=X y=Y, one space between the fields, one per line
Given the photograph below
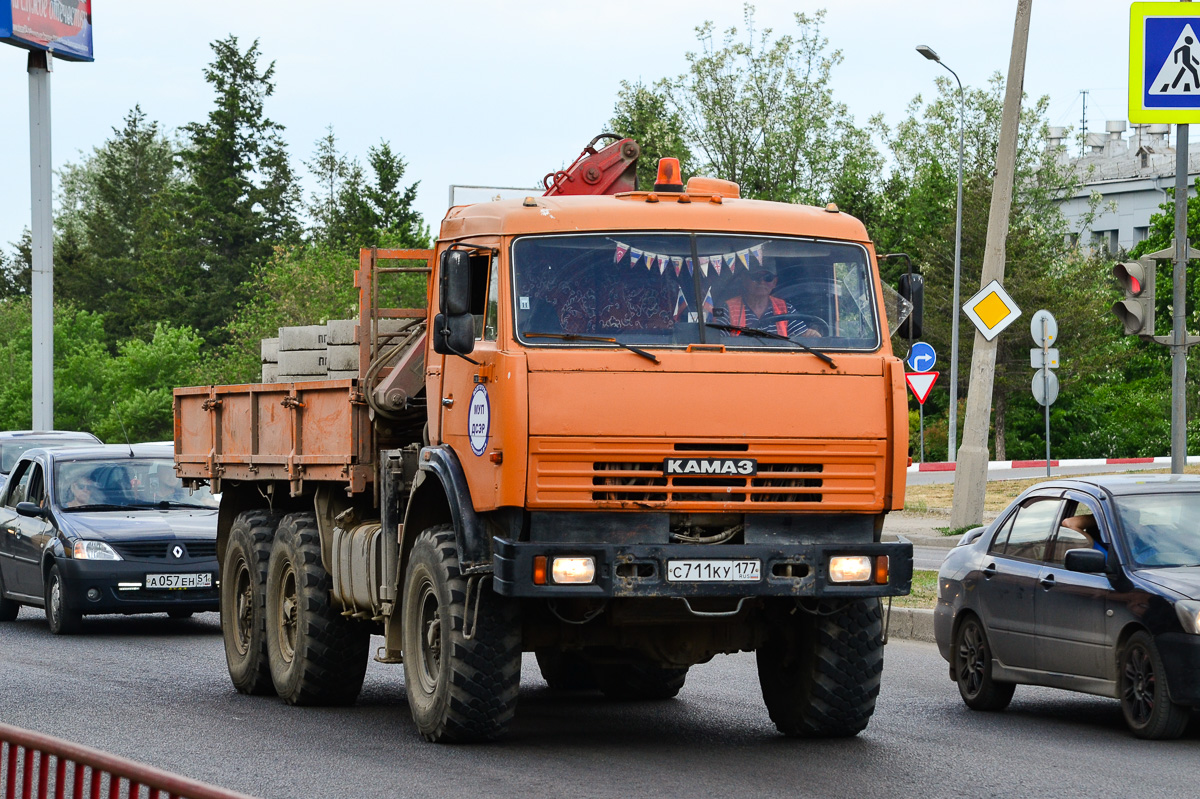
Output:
x=468 y=402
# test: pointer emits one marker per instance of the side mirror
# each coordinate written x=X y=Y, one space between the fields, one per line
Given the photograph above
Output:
x=32 y=510
x=912 y=288
x=453 y=335
x=455 y=283
x=1089 y=561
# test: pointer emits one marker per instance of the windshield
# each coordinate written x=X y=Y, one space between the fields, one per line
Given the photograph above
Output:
x=122 y=483
x=11 y=451
x=1161 y=529
x=676 y=289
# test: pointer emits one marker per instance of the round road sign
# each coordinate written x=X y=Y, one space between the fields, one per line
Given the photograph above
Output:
x=1044 y=321
x=1045 y=380
x=922 y=357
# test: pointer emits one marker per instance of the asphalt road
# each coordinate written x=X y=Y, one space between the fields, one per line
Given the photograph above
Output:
x=156 y=690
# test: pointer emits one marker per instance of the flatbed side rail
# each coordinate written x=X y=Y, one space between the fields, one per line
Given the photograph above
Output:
x=366 y=279
x=36 y=765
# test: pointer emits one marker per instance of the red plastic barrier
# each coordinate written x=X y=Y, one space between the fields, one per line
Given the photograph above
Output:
x=36 y=766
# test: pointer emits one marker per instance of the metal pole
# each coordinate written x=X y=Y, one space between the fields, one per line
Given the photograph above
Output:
x=1046 y=387
x=921 y=414
x=1179 y=348
x=41 y=193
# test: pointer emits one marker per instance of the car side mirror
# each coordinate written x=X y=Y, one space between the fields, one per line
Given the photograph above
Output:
x=1088 y=561
x=912 y=288
x=32 y=510
x=455 y=283
x=453 y=335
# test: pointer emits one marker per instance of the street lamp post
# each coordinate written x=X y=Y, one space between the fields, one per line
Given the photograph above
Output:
x=928 y=52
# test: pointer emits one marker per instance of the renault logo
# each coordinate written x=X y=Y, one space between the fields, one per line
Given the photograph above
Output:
x=177 y=551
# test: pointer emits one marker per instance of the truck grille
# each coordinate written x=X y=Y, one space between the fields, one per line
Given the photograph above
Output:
x=818 y=475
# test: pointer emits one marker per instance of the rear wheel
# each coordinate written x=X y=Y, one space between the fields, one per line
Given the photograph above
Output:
x=973 y=669
x=9 y=608
x=317 y=656
x=243 y=600
x=63 y=619
x=819 y=669
x=639 y=680
x=1145 y=701
x=459 y=688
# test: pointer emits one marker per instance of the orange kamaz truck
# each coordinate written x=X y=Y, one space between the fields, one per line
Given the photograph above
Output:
x=633 y=430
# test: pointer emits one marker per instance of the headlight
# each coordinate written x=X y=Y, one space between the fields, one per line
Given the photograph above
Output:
x=850 y=569
x=573 y=570
x=1188 y=611
x=94 y=550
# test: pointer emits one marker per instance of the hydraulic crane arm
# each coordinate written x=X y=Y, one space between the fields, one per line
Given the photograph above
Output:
x=609 y=170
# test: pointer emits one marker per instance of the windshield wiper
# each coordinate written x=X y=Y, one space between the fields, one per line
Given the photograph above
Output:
x=163 y=504
x=74 y=508
x=602 y=339
x=754 y=331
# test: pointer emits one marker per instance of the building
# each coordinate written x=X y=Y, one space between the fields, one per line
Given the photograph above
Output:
x=1130 y=175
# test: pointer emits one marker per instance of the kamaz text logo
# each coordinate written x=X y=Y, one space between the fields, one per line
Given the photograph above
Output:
x=737 y=466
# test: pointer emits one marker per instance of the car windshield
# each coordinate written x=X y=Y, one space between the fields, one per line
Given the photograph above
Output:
x=676 y=289
x=1161 y=529
x=124 y=483
x=11 y=451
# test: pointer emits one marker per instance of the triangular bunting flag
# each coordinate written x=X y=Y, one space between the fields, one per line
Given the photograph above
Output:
x=677 y=262
x=621 y=250
x=730 y=260
x=634 y=256
x=757 y=253
x=742 y=256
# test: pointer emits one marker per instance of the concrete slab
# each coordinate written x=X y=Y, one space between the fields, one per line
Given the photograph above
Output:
x=270 y=350
x=270 y=373
x=309 y=337
x=303 y=362
x=343 y=358
x=341 y=331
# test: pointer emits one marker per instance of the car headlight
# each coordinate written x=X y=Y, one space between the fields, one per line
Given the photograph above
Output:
x=1188 y=611
x=94 y=550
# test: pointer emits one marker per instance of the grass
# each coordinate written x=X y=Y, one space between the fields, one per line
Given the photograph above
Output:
x=938 y=497
x=924 y=591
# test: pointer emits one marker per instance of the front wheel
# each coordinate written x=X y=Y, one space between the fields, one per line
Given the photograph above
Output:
x=459 y=688
x=820 y=668
x=62 y=618
x=973 y=669
x=1147 y=706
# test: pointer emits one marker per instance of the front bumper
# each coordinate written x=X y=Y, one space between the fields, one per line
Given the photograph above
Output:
x=639 y=570
x=1181 y=660
x=115 y=581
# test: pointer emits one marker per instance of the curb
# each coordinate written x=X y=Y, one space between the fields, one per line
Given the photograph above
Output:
x=910 y=624
x=948 y=466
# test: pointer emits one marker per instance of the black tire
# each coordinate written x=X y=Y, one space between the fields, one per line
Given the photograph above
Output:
x=459 y=689
x=62 y=618
x=180 y=614
x=317 y=656
x=566 y=671
x=243 y=601
x=1145 y=700
x=639 y=681
x=972 y=655
x=9 y=608
x=820 y=671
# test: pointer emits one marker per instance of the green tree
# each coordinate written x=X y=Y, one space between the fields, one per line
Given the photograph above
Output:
x=760 y=111
x=241 y=197
x=377 y=210
x=330 y=169
x=645 y=114
x=110 y=228
x=16 y=269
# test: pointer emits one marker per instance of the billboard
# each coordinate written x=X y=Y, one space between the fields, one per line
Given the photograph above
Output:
x=64 y=27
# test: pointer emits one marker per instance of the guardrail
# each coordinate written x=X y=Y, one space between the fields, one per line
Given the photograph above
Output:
x=37 y=766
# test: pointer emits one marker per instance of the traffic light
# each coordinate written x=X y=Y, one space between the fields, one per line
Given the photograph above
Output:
x=1136 y=311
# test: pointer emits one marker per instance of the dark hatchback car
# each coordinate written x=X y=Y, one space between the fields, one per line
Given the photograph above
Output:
x=14 y=443
x=1090 y=584
x=105 y=529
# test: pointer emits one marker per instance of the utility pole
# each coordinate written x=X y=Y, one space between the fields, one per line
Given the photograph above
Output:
x=970 y=473
x=1083 y=126
x=42 y=195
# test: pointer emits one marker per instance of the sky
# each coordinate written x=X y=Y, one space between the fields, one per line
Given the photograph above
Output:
x=500 y=92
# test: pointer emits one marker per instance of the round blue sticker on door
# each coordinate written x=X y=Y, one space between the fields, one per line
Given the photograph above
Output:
x=479 y=420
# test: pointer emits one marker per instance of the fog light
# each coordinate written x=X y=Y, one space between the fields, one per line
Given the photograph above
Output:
x=93 y=594
x=573 y=570
x=850 y=569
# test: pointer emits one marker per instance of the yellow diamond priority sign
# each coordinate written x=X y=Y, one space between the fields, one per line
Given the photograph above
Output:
x=992 y=310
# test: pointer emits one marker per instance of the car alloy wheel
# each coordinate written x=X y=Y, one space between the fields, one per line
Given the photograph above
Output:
x=1140 y=683
x=972 y=658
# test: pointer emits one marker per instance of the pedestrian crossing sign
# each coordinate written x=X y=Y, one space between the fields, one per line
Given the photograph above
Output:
x=1164 y=63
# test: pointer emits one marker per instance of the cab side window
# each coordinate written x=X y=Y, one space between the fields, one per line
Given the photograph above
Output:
x=1032 y=529
x=1001 y=539
x=19 y=484
x=492 y=310
x=37 y=487
x=1078 y=529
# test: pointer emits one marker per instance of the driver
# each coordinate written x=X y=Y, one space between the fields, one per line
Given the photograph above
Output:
x=757 y=301
x=83 y=492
